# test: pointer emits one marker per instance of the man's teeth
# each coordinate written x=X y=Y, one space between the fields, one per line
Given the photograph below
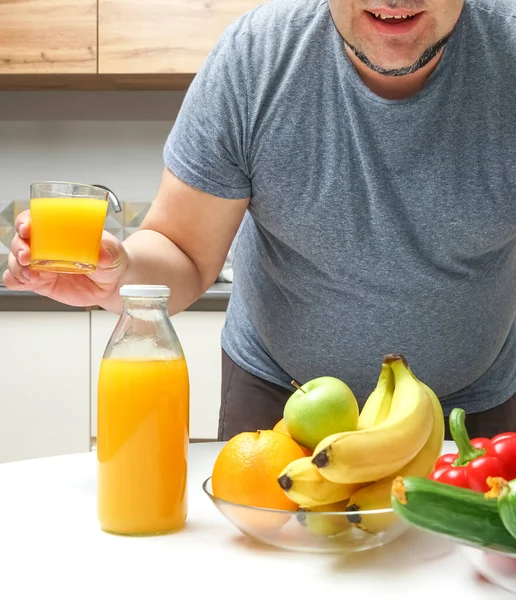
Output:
x=384 y=17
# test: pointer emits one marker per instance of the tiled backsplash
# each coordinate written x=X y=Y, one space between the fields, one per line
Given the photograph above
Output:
x=133 y=214
x=8 y=213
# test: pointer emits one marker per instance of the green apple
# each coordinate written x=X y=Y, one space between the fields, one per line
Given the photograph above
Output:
x=319 y=408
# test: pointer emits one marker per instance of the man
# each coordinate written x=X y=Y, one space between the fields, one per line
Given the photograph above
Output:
x=365 y=151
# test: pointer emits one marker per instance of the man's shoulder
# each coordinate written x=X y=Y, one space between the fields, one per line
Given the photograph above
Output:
x=493 y=27
x=497 y=8
x=277 y=17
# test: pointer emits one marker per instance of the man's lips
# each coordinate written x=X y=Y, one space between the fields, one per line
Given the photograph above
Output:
x=393 y=22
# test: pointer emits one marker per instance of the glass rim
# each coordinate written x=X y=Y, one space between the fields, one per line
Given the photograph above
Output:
x=56 y=182
x=109 y=195
x=206 y=485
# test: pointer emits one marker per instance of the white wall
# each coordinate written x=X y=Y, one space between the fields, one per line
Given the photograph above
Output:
x=113 y=138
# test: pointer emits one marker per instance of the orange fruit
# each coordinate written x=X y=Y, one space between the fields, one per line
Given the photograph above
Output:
x=280 y=427
x=247 y=468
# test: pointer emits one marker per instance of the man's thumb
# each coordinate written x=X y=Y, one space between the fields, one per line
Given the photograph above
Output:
x=112 y=254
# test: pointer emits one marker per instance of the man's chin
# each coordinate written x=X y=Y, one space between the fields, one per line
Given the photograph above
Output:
x=377 y=62
x=385 y=67
x=391 y=69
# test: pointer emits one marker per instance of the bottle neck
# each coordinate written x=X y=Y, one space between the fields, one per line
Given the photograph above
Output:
x=143 y=303
x=144 y=330
x=145 y=308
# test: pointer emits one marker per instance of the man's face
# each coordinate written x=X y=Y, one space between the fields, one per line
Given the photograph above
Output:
x=396 y=46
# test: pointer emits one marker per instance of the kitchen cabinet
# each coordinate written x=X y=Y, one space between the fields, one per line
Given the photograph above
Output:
x=110 y=44
x=48 y=36
x=50 y=363
x=45 y=385
x=199 y=333
x=157 y=36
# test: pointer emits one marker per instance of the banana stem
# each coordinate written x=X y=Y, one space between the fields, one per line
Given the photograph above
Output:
x=388 y=359
x=467 y=452
x=297 y=386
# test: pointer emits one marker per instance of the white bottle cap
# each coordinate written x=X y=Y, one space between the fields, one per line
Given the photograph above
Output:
x=145 y=291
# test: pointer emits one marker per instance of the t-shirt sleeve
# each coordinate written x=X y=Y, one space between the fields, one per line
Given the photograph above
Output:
x=206 y=147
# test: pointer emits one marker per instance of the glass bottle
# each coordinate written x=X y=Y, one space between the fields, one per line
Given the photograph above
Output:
x=143 y=419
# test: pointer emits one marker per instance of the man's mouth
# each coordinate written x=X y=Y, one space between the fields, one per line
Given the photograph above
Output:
x=393 y=22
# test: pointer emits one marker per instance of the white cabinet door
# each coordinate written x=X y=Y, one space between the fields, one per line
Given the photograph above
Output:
x=199 y=333
x=45 y=391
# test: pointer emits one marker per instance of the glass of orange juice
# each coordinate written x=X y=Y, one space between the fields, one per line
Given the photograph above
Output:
x=143 y=420
x=67 y=220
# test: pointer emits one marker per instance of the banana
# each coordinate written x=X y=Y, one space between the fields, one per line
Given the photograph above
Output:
x=303 y=484
x=377 y=406
x=325 y=525
x=377 y=496
x=371 y=454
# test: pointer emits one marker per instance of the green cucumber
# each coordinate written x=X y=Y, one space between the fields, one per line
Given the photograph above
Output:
x=461 y=514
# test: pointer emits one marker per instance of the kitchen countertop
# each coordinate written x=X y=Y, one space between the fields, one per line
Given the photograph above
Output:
x=52 y=547
x=215 y=299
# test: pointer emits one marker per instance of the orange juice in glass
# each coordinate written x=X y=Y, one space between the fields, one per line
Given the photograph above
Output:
x=67 y=220
x=143 y=420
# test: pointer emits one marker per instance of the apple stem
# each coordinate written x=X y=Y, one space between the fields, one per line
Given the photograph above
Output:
x=297 y=386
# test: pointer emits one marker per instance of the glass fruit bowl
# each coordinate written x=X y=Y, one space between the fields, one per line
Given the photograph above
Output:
x=304 y=531
x=497 y=567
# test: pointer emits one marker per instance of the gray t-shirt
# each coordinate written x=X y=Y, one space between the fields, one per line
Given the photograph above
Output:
x=374 y=225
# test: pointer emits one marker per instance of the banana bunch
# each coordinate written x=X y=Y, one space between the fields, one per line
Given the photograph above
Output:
x=377 y=495
x=379 y=451
x=400 y=432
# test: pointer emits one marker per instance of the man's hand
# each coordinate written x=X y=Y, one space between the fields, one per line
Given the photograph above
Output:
x=182 y=243
x=75 y=290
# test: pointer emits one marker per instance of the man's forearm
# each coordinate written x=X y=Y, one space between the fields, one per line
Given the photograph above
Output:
x=155 y=260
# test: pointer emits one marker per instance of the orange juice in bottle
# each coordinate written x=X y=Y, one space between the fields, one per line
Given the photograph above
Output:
x=143 y=420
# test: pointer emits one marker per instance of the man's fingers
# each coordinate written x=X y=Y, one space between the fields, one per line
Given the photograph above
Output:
x=22 y=224
x=111 y=251
x=18 y=272
x=10 y=282
x=21 y=250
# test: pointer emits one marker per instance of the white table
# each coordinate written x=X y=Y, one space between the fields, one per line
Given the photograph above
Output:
x=51 y=547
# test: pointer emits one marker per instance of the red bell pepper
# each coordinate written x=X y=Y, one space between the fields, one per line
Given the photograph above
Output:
x=477 y=459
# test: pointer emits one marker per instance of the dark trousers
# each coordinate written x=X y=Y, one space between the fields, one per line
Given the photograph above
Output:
x=249 y=403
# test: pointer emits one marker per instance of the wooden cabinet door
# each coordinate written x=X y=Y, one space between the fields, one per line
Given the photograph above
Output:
x=162 y=36
x=48 y=36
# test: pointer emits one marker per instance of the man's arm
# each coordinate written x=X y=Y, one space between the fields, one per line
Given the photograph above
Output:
x=191 y=223
x=188 y=230
x=182 y=243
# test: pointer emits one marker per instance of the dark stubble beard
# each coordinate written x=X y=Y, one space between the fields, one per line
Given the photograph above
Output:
x=429 y=54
